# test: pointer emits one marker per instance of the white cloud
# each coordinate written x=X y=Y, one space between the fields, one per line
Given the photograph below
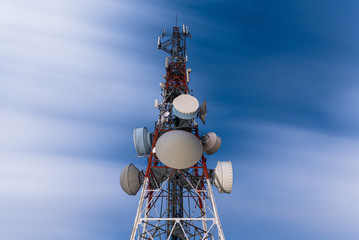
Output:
x=63 y=83
x=343 y=106
x=300 y=177
x=46 y=196
x=24 y=132
x=59 y=56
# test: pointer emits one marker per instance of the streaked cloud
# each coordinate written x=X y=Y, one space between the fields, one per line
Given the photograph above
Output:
x=49 y=196
x=297 y=177
x=66 y=98
x=342 y=108
x=77 y=76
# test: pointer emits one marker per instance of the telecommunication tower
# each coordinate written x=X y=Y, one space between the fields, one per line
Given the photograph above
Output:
x=177 y=200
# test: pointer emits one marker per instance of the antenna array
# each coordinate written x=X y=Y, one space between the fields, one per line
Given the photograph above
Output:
x=177 y=200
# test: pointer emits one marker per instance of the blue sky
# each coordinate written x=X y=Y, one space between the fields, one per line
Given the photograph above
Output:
x=281 y=83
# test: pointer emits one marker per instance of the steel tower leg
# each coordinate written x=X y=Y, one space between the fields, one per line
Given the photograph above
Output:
x=139 y=210
x=215 y=212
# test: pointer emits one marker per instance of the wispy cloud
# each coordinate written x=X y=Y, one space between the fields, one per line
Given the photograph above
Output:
x=298 y=177
x=54 y=59
x=342 y=108
x=76 y=77
x=45 y=196
x=67 y=96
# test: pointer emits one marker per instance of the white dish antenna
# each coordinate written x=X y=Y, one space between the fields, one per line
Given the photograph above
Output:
x=211 y=143
x=142 y=140
x=223 y=177
x=130 y=179
x=178 y=149
x=185 y=106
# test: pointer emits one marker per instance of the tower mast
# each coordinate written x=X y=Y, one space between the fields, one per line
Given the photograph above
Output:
x=177 y=200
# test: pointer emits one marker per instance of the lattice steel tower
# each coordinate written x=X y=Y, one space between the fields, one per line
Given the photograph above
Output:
x=177 y=200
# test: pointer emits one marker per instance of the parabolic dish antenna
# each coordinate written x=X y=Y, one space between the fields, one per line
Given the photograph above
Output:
x=185 y=106
x=223 y=177
x=211 y=143
x=142 y=140
x=178 y=149
x=130 y=179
